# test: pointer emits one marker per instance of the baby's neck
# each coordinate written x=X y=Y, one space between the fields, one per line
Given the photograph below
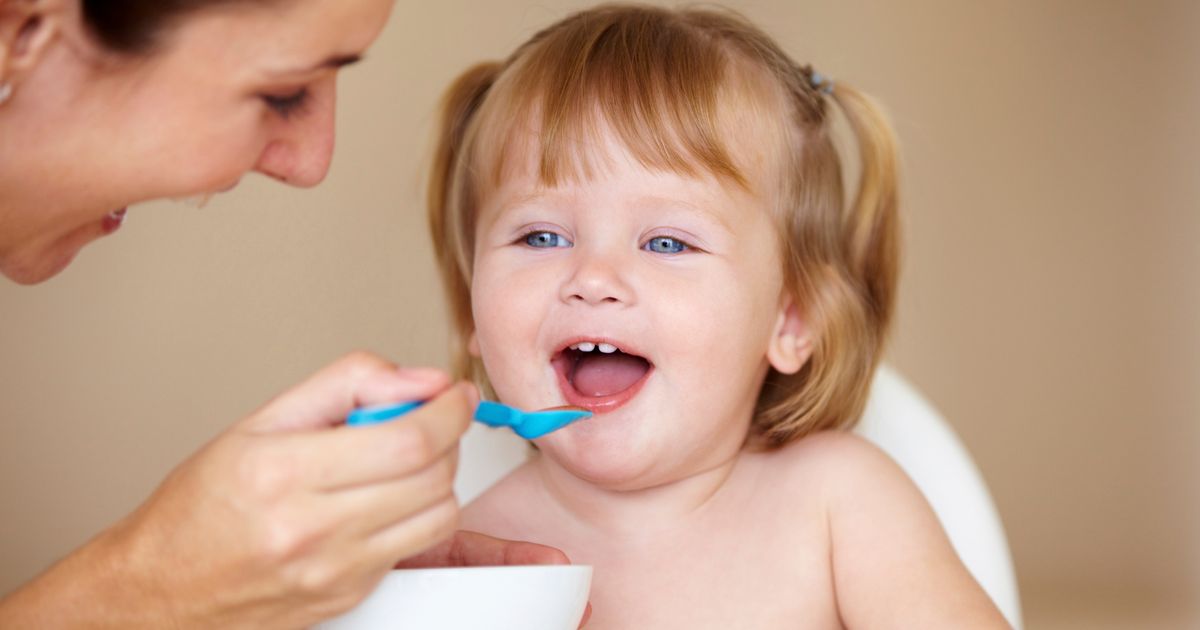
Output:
x=628 y=515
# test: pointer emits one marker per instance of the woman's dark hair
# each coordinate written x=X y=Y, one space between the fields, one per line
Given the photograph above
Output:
x=134 y=26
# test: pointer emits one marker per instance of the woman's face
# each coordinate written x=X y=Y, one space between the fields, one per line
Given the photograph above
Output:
x=238 y=88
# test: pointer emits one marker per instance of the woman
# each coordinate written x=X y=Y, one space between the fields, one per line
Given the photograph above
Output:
x=284 y=519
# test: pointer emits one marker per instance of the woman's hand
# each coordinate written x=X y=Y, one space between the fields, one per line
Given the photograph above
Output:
x=285 y=519
x=289 y=518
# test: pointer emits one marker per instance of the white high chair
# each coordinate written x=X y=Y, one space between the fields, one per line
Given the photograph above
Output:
x=900 y=422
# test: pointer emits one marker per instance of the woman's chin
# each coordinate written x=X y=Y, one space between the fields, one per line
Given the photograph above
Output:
x=37 y=268
x=39 y=265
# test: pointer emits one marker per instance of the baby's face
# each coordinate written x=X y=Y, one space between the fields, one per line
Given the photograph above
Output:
x=682 y=276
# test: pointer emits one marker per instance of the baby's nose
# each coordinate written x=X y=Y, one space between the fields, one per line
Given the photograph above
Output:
x=598 y=280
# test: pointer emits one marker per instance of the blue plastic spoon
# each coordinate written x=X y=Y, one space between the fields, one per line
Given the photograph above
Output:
x=527 y=424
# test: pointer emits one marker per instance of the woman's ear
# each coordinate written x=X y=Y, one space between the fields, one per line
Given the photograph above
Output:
x=27 y=27
x=791 y=341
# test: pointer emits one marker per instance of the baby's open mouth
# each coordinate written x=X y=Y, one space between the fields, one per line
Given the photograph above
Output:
x=599 y=376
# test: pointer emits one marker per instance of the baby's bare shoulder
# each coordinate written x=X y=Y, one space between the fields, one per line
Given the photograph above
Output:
x=855 y=479
x=832 y=455
x=881 y=526
x=835 y=465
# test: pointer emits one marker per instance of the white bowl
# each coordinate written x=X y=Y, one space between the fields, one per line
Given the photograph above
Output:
x=548 y=597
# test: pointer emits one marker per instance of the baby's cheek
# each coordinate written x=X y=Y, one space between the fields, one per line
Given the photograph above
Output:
x=732 y=336
x=503 y=373
x=509 y=362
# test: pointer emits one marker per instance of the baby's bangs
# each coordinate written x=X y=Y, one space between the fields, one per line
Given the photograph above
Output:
x=651 y=80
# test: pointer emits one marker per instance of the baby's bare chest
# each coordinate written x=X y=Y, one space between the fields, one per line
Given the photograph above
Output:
x=763 y=577
x=757 y=557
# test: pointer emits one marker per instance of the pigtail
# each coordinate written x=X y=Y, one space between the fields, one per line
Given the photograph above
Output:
x=845 y=259
x=449 y=194
x=871 y=224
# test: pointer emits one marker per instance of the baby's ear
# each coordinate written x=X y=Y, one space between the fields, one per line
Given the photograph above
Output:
x=473 y=344
x=791 y=342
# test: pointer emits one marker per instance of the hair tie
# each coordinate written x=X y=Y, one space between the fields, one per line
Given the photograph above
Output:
x=820 y=82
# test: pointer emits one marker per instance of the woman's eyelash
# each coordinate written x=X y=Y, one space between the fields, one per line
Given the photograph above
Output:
x=289 y=104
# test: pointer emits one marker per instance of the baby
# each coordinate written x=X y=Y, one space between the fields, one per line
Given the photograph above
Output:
x=641 y=213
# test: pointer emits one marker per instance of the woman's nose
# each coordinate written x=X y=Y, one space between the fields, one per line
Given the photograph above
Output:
x=300 y=153
x=598 y=278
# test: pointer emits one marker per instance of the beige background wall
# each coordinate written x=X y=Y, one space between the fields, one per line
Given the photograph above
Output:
x=1050 y=305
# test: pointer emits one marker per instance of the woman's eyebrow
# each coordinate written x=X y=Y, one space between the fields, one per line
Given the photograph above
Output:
x=332 y=63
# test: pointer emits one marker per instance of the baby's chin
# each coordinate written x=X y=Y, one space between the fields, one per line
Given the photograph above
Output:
x=606 y=459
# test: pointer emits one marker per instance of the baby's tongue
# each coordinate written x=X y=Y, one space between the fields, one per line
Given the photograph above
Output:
x=599 y=374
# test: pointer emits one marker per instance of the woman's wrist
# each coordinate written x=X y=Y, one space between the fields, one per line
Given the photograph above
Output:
x=130 y=588
x=99 y=585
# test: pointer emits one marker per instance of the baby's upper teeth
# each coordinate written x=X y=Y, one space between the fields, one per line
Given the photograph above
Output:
x=588 y=346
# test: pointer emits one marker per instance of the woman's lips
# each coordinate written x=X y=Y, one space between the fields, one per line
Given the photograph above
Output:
x=112 y=221
x=596 y=404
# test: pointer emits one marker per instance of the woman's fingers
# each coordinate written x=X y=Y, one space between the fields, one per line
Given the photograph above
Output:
x=347 y=457
x=416 y=533
x=357 y=380
x=363 y=511
x=467 y=549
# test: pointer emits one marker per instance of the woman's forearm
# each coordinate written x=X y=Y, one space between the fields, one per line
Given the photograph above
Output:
x=94 y=587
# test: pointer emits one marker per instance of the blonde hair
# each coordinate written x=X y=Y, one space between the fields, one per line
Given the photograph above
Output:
x=656 y=77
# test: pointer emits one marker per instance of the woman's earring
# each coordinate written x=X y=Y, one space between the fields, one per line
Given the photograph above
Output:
x=6 y=90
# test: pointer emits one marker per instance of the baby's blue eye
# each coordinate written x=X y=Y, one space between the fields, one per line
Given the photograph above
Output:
x=665 y=245
x=544 y=239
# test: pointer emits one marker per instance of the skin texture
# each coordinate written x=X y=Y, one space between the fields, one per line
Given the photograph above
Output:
x=660 y=494
x=288 y=517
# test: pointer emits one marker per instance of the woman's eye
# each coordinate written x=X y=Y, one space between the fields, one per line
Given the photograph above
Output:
x=288 y=104
x=543 y=239
x=665 y=245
